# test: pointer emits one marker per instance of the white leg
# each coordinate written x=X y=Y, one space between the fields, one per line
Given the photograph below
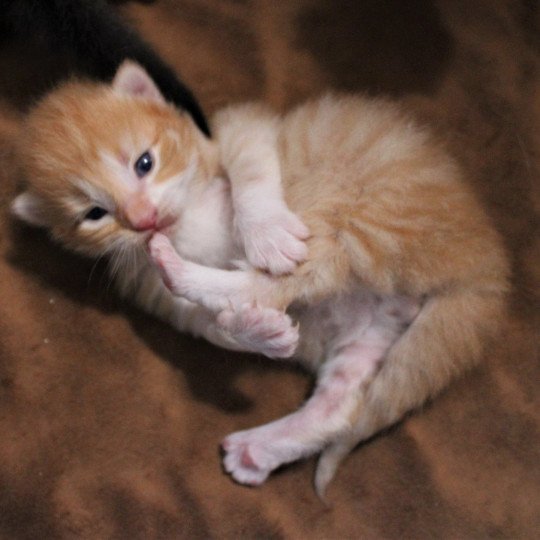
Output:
x=213 y=288
x=273 y=237
x=200 y=322
x=239 y=325
x=252 y=454
x=264 y=331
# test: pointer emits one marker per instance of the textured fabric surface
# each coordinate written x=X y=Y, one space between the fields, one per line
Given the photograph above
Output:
x=110 y=421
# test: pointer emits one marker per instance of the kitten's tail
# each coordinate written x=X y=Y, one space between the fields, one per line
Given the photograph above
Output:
x=329 y=461
x=447 y=337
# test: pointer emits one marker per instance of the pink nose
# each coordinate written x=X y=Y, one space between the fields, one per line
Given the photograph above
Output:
x=145 y=223
x=141 y=213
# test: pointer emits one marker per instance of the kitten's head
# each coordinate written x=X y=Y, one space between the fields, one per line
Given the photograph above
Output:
x=106 y=165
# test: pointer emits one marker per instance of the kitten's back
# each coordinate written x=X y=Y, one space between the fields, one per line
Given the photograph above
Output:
x=339 y=146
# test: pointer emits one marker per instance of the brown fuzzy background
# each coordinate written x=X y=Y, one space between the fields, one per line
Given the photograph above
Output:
x=110 y=421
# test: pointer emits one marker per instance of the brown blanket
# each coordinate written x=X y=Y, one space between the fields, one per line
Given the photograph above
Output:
x=110 y=421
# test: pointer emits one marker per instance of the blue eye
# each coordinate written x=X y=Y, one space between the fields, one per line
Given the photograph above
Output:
x=96 y=213
x=144 y=164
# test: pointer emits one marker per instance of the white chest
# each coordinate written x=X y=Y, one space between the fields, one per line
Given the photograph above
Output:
x=205 y=229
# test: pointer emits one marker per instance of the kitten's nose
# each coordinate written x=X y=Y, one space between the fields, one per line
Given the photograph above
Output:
x=141 y=213
x=146 y=223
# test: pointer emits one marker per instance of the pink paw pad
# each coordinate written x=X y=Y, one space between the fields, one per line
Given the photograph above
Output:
x=244 y=460
x=247 y=461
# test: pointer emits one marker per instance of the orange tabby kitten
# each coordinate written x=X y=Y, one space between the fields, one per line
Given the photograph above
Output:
x=403 y=280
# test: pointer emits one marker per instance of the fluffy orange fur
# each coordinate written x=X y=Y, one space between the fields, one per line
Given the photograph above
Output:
x=387 y=208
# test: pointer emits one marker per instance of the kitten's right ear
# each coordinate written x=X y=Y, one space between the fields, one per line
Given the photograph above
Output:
x=131 y=79
x=30 y=208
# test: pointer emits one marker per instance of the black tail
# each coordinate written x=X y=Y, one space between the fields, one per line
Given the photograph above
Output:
x=98 y=40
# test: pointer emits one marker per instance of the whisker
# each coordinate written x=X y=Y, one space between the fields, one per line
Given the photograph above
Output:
x=94 y=266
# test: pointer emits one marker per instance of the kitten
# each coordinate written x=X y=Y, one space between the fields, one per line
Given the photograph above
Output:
x=403 y=280
x=95 y=40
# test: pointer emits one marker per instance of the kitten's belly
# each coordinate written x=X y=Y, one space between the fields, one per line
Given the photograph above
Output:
x=361 y=314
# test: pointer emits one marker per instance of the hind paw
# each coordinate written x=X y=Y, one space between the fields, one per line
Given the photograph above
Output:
x=264 y=330
x=245 y=460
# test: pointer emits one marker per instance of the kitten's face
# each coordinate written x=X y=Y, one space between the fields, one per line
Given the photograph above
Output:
x=107 y=165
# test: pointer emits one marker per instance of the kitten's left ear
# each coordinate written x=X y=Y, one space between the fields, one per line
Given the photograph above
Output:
x=132 y=80
x=30 y=208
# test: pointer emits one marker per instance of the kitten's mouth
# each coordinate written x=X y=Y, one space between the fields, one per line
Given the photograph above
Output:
x=161 y=226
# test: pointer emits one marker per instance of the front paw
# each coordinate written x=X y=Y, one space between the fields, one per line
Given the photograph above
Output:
x=167 y=260
x=275 y=240
x=263 y=330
